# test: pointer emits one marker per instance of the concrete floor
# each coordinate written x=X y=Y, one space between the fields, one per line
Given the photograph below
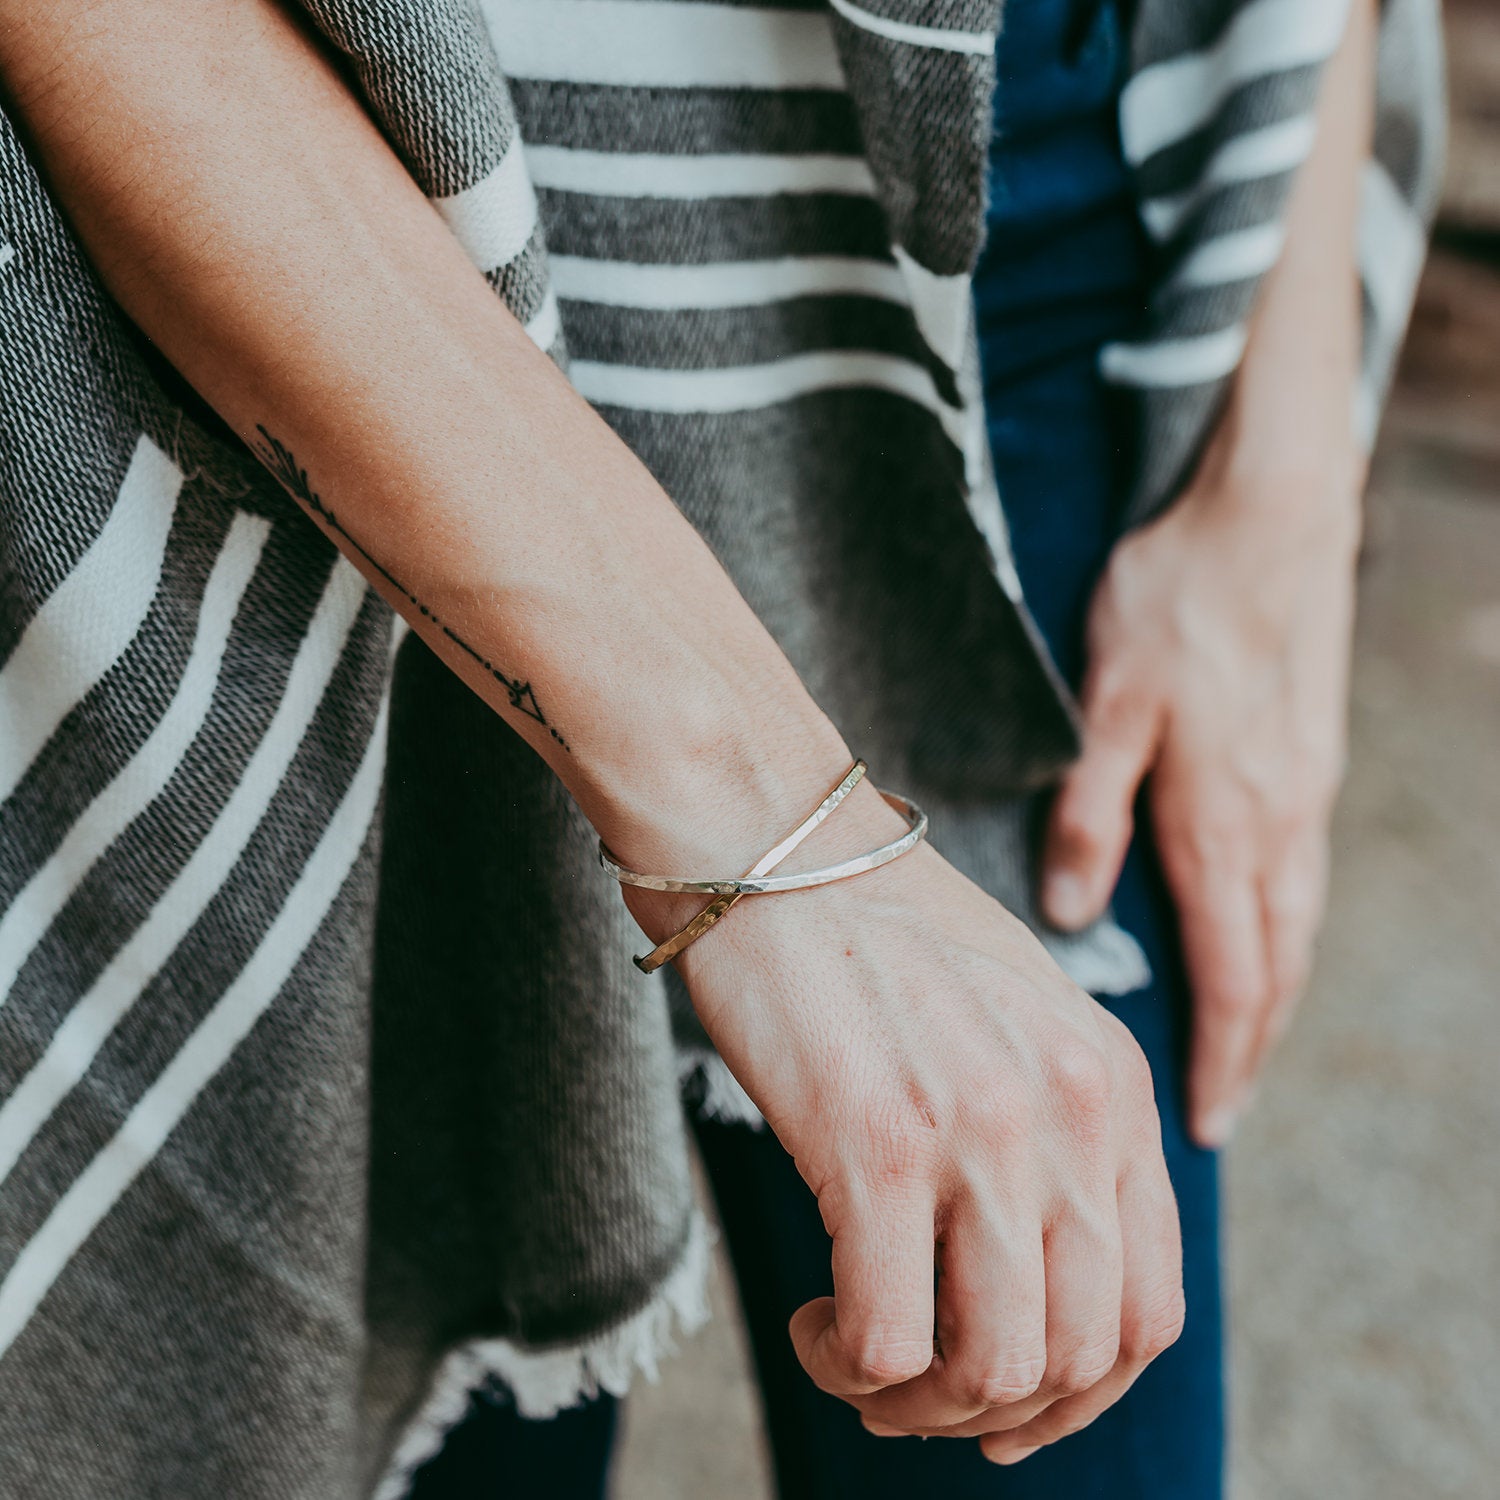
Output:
x=1364 y=1217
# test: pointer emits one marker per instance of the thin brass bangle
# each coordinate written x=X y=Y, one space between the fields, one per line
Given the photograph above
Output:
x=750 y=885
x=648 y=963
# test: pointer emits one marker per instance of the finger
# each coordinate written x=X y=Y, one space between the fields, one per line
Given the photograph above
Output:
x=1293 y=901
x=1297 y=902
x=1085 y=1282
x=992 y=1325
x=1224 y=949
x=1088 y=829
x=1151 y=1314
x=1085 y=1278
x=877 y=1328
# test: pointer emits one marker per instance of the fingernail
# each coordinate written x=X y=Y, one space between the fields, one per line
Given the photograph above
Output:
x=879 y=1429
x=1016 y=1455
x=1216 y=1128
x=1066 y=900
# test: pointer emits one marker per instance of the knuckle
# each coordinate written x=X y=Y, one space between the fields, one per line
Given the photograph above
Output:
x=1082 y=1369
x=1154 y=1329
x=1114 y=698
x=1083 y=1077
x=1293 y=811
x=878 y=1363
x=1074 y=832
x=1004 y=1387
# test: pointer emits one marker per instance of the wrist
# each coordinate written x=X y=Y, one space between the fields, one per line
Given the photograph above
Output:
x=752 y=824
x=722 y=778
x=1301 y=477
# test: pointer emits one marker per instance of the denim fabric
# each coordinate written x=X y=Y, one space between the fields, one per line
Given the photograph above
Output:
x=1061 y=274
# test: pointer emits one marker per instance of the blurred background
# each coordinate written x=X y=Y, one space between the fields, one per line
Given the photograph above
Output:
x=1364 y=1190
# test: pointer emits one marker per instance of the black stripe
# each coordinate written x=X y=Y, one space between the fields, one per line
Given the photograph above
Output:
x=719 y=338
x=432 y=80
x=215 y=950
x=218 y=1222
x=522 y=285
x=117 y=894
x=1175 y=424
x=679 y=121
x=695 y=232
x=118 y=714
x=925 y=119
x=961 y=16
x=1399 y=149
x=1263 y=101
x=1193 y=311
x=1163 y=33
x=72 y=381
x=1237 y=205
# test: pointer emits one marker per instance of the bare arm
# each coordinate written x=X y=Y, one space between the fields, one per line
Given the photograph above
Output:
x=1220 y=638
x=909 y=1041
x=292 y=270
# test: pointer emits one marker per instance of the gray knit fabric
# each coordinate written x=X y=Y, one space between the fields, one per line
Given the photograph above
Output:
x=313 y=1114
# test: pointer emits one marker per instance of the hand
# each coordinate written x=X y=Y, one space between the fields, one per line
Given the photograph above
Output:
x=956 y=1103
x=1218 y=663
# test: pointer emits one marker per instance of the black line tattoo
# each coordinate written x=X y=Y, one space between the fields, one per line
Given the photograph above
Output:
x=277 y=457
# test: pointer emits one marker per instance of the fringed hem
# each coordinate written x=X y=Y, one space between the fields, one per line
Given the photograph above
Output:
x=720 y=1096
x=1104 y=959
x=543 y=1382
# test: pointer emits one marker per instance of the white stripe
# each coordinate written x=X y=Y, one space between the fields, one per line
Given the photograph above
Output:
x=1268 y=152
x=738 y=283
x=84 y=1030
x=639 y=175
x=940 y=39
x=664 y=44
x=1170 y=363
x=1171 y=100
x=1392 y=247
x=942 y=306
x=1231 y=257
x=91 y=617
x=494 y=219
x=96 y=1190
x=7 y=254
x=142 y=778
x=752 y=387
x=546 y=323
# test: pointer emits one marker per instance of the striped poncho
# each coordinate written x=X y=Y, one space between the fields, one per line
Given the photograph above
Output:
x=292 y=1152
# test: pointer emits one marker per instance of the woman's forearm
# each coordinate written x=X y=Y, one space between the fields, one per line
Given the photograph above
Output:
x=251 y=219
x=1291 y=412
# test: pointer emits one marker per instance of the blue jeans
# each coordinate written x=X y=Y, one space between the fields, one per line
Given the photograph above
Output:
x=1061 y=274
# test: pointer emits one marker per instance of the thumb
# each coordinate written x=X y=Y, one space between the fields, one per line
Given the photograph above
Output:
x=1088 y=829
